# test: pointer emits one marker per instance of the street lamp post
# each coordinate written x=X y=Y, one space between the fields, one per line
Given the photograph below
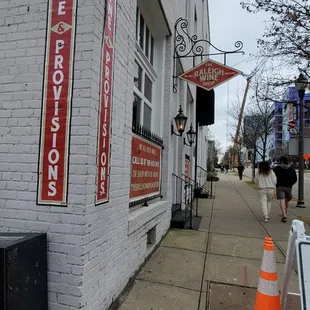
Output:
x=301 y=84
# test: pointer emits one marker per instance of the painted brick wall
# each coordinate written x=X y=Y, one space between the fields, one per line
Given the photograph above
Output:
x=93 y=250
x=22 y=47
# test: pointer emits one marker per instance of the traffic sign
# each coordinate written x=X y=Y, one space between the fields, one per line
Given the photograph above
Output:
x=292 y=124
x=209 y=74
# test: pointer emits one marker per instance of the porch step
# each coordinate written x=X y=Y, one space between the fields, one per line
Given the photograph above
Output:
x=180 y=220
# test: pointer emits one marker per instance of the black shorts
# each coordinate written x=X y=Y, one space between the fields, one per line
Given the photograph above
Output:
x=284 y=193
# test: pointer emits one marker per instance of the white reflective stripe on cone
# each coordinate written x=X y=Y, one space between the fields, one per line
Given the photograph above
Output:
x=269 y=262
x=269 y=288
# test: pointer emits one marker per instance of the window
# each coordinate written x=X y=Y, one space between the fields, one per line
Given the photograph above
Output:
x=145 y=76
x=145 y=38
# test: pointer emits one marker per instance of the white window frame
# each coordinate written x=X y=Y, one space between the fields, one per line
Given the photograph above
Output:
x=147 y=69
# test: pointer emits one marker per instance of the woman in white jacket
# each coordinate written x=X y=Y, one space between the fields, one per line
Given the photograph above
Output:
x=266 y=180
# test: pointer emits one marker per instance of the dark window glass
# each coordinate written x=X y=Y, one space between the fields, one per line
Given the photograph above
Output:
x=152 y=50
x=136 y=110
x=147 y=117
x=148 y=88
x=147 y=43
x=138 y=76
x=137 y=24
x=141 y=39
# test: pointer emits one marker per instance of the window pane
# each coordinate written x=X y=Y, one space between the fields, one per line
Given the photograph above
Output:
x=136 y=111
x=138 y=76
x=141 y=40
x=137 y=24
x=152 y=50
x=147 y=43
x=148 y=88
x=147 y=118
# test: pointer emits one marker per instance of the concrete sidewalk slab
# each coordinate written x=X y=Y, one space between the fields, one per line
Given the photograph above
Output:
x=205 y=224
x=203 y=301
x=234 y=214
x=278 y=230
x=154 y=296
x=218 y=266
x=239 y=247
x=240 y=271
x=237 y=227
x=283 y=245
x=229 y=297
x=176 y=267
x=186 y=239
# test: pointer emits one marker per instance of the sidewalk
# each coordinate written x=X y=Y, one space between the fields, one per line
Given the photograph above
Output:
x=217 y=267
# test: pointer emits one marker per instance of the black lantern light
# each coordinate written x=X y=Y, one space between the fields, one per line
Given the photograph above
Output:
x=191 y=136
x=180 y=122
x=301 y=84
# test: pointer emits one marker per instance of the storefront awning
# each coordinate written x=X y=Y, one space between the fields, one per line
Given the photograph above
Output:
x=205 y=106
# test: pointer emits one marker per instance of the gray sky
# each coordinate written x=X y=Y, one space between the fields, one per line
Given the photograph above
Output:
x=230 y=23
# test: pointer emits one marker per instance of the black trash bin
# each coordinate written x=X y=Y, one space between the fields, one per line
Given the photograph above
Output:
x=23 y=271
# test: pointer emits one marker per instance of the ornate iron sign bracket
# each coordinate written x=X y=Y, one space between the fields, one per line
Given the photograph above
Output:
x=186 y=46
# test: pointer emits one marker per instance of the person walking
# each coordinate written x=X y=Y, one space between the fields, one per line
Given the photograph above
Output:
x=266 y=180
x=226 y=168
x=286 y=178
x=240 y=171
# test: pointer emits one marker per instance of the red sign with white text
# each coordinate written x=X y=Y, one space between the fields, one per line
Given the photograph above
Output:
x=209 y=74
x=56 y=105
x=105 y=106
x=145 y=169
x=187 y=168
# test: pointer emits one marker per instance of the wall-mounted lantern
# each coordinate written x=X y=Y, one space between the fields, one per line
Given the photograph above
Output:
x=191 y=136
x=180 y=122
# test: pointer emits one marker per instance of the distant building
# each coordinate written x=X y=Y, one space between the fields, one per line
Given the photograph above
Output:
x=291 y=112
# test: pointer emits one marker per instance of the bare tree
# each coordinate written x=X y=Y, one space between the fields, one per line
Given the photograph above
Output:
x=286 y=36
x=214 y=150
x=257 y=123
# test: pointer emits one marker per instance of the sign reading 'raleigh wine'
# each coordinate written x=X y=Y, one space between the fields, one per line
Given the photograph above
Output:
x=209 y=74
x=105 y=107
x=56 y=105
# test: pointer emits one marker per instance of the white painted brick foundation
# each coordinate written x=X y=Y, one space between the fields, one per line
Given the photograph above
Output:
x=93 y=250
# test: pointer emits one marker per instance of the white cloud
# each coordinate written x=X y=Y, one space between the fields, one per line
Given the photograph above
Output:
x=230 y=23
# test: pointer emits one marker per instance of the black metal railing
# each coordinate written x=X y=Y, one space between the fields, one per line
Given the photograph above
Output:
x=182 y=204
x=196 y=187
x=147 y=134
x=205 y=179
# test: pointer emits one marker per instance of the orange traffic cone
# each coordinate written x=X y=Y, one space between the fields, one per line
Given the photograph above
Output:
x=267 y=296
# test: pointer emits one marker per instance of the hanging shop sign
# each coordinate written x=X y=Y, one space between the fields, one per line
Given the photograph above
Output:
x=145 y=169
x=209 y=74
x=105 y=106
x=56 y=105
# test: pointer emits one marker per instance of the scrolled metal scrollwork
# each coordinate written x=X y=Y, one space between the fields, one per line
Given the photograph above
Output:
x=190 y=46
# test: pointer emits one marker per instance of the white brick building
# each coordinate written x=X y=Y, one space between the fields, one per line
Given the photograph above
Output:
x=94 y=249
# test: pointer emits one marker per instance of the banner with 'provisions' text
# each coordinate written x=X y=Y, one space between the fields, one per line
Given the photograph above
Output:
x=56 y=103
x=105 y=106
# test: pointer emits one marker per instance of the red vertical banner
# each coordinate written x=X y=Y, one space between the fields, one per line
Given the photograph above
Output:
x=56 y=103
x=187 y=168
x=105 y=106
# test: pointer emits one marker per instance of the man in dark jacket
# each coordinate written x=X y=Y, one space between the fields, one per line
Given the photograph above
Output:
x=240 y=171
x=286 y=178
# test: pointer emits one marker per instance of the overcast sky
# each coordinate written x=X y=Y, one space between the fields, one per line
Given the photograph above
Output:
x=230 y=23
